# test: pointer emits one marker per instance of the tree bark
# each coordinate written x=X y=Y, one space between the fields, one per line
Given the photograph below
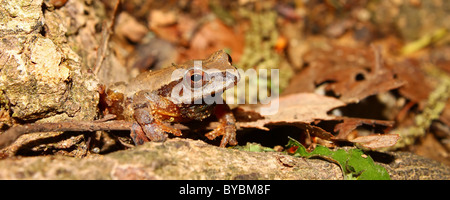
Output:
x=193 y=159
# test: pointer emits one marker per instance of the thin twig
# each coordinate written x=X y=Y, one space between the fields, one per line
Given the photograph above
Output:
x=13 y=133
x=106 y=35
x=104 y=124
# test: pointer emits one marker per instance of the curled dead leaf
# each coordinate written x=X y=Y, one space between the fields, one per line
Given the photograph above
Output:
x=301 y=108
x=376 y=141
x=349 y=124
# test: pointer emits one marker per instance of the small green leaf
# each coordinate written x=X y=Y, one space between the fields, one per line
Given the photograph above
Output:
x=254 y=147
x=353 y=163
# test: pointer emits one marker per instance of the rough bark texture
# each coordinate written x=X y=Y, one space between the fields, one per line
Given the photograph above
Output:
x=409 y=166
x=43 y=78
x=41 y=75
x=192 y=159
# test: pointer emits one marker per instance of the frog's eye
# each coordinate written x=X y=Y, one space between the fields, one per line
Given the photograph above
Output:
x=196 y=78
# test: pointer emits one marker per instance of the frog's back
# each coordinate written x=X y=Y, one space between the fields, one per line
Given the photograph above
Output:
x=150 y=80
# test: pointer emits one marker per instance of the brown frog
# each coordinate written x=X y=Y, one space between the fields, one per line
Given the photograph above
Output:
x=179 y=93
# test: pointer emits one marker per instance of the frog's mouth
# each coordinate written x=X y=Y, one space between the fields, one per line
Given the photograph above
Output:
x=232 y=78
x=222 y=81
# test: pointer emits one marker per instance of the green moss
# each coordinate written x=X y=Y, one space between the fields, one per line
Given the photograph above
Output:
x=259 y=51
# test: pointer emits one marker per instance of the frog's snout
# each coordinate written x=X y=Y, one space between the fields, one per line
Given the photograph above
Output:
x=234 y=75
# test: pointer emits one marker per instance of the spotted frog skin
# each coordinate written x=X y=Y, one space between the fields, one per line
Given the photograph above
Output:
x=154 y=100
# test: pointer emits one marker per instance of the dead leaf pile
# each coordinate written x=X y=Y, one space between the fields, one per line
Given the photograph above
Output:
x=305 y=111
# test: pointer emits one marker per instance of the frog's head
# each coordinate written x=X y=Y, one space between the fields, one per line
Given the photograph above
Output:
x=203 y=81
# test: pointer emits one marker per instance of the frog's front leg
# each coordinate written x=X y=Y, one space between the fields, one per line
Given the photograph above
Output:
x=227 y=126
x=148 y=127
x=138 y=135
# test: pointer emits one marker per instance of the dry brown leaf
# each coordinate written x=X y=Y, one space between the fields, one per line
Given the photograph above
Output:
x=351 y=73
x=215 y=35
x=302 y=109
x=350 y=124
x=296 y=109
x=376 y=141
x=418 y=85
x=128 y=27
x=178 y=28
